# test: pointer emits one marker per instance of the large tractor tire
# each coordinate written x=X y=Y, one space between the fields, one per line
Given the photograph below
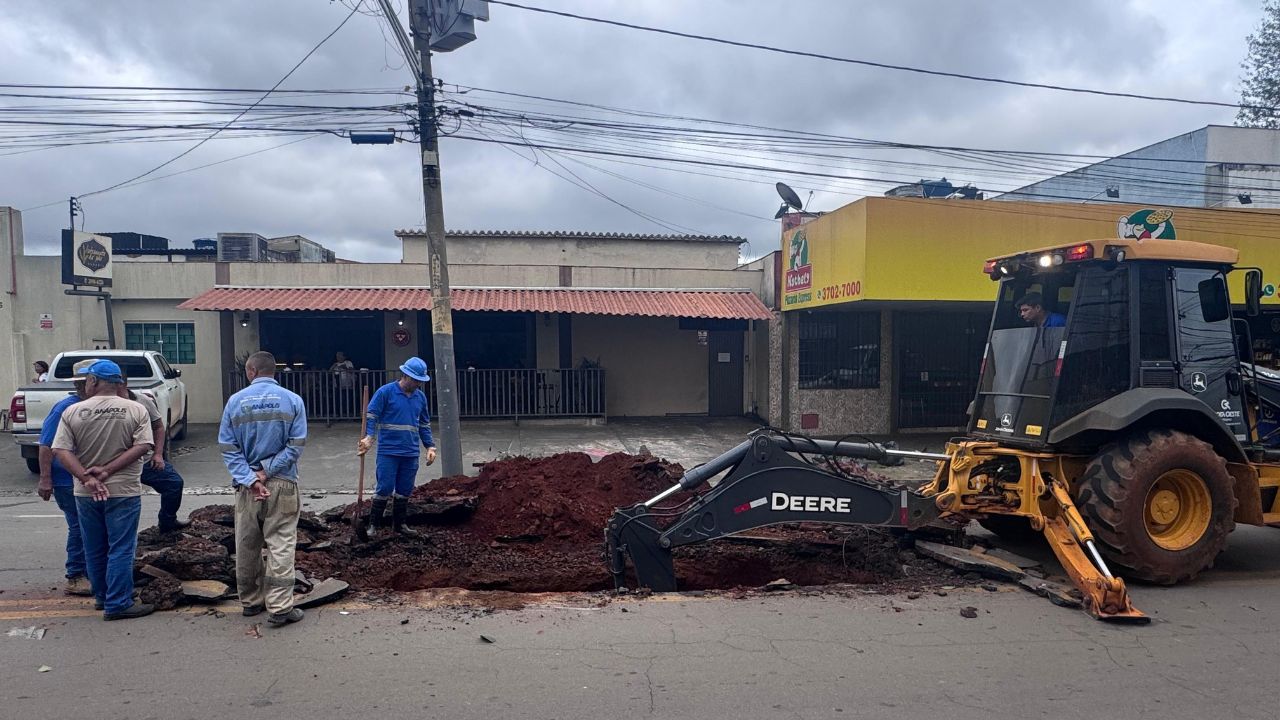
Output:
x=1160 y=505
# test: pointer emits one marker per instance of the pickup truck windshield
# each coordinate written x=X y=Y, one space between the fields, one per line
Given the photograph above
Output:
x=134 y=367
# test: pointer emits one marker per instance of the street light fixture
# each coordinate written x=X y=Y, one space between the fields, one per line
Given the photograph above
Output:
x=1242 y=198
x=1111 y=191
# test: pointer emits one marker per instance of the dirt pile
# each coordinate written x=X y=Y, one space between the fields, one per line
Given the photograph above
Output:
x=564 y=498
x=529 y=525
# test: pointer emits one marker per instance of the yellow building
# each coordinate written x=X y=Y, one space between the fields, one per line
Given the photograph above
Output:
x=885 y=306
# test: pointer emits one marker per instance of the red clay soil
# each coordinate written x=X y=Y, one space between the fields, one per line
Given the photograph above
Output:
x=562 y=499
x=538 y=525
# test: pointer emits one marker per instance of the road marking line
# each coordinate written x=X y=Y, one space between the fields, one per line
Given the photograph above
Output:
x=90 y=612
x=21 y=517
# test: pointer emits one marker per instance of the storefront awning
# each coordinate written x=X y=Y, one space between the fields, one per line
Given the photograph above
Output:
x=710 y=304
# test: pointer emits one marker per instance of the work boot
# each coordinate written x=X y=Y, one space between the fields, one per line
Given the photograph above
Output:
x=79 y=585
x=135 y=610
x=377 y=516
x=174 y=526
x=251 y=610
x=399 y=509
x=279 y=619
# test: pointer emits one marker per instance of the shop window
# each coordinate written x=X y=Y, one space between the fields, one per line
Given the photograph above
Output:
x=176 y=341
x=839 y=350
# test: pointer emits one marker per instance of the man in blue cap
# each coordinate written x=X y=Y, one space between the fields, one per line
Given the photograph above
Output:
x=101 y=441
x=57 y=483
x=400 y=417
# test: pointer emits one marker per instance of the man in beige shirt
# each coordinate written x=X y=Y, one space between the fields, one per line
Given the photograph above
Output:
x=101 y=441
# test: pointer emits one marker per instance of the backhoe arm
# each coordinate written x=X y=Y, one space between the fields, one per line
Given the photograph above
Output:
x=766 y=485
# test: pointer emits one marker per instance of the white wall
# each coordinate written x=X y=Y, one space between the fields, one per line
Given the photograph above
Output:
x=203 y=378
x=546 y=328
x=395 y=355
x=652 y=367
x=577 y=252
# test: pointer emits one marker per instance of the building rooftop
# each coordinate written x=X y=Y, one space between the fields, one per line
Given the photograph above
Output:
x=577 y=235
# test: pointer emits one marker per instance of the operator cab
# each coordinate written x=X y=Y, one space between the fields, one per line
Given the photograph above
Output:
x=1074 y=327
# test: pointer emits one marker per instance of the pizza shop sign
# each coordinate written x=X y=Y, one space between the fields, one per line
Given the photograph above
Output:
x=86 y=260
x=799 y=270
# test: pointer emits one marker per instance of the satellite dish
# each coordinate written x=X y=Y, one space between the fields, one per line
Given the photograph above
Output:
x=789 y=196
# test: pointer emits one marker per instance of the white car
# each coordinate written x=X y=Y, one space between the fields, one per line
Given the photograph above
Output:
x=148 y=373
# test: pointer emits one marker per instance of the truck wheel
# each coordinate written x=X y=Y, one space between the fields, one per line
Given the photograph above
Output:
x=1160 y=504
x=1011 y=528
x=33 y=464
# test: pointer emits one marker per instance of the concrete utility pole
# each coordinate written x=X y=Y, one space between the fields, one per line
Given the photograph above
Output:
x=445 y=374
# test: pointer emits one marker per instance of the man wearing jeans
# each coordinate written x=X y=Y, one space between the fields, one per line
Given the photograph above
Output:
x=400 y=418
x=261 y=436
x=57 y=483
x=101 y=441
x=157 y=472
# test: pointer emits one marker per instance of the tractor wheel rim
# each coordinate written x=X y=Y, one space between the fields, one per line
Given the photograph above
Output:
x=1178 y=510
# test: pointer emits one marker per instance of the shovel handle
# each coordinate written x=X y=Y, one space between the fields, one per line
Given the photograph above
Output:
x=364 y=427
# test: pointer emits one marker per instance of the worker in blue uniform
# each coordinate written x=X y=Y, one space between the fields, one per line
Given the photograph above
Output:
x=399 y=417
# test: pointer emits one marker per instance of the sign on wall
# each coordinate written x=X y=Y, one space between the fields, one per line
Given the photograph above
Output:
x=1147 y=224
x=46 y=321
x=86 y=260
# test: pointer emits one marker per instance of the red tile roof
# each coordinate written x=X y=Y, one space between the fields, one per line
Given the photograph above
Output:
x=712 y=304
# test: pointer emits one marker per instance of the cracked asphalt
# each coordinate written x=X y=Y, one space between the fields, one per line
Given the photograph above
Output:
x=852 y=654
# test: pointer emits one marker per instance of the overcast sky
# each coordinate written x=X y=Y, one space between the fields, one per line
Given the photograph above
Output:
x=352 y=198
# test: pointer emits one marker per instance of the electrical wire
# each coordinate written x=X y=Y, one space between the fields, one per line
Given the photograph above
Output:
x=280 y=82
x=880 y=65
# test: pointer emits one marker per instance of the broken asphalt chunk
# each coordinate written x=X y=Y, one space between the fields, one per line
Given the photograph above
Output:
x=27 y=633
x=205 y=590
x=1058 y=594
x=1013 y=558
x=969 y=612
x=326 y=592
x=970 y=561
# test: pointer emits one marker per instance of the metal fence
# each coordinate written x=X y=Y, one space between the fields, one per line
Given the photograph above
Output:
x=516 y=393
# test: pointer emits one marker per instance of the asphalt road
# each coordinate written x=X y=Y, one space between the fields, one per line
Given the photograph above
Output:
x=1208 y=653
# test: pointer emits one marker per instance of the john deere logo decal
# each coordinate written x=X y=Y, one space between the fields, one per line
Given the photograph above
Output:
x=799 y=271
x=1148 y=224
x=92 y=255
x=1199 y=382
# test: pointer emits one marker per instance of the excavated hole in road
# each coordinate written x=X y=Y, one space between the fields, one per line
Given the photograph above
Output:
x=537 y=525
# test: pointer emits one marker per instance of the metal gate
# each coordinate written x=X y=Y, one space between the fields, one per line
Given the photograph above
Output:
x=939 y=359
x=724 y=373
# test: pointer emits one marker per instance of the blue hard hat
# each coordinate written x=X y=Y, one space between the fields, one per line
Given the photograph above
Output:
x=105 y=370
x=416 y=369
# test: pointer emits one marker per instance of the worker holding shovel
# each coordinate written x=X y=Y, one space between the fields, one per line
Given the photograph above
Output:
x=400 y=417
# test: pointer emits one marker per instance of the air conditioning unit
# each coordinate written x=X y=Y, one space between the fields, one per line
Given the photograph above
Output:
x=242 y=247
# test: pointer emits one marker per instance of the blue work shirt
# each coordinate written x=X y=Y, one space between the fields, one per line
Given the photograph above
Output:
x=61 y=478
x=1055 y=320
x=263 y=428
x=399 y=420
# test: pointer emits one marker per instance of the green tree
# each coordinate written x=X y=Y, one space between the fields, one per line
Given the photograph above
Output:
x=1260 y=86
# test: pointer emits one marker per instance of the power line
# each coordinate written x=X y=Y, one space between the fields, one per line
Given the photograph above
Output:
x=186 y=152
x=881 y=65
x=198 y=167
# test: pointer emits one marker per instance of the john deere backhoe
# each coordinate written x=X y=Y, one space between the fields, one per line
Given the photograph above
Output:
x=1126 y=423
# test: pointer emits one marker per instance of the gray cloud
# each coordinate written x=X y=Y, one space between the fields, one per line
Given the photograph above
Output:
x=352 y=198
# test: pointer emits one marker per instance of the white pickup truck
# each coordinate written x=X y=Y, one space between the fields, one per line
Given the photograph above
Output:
x=148 y=373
